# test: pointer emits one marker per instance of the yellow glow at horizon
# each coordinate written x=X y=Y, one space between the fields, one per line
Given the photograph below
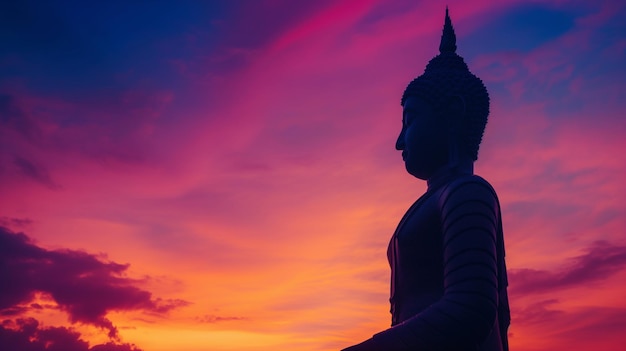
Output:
x=161 y=339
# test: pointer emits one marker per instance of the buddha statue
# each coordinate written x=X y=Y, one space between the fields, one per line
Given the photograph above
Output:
x=448 y=274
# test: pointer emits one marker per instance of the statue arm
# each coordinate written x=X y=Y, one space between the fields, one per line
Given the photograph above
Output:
x=466 y=312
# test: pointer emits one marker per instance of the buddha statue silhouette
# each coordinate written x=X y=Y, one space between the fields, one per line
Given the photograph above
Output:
x=448 y=274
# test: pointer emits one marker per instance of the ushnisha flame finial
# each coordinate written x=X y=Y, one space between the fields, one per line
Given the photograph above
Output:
x=448 y=38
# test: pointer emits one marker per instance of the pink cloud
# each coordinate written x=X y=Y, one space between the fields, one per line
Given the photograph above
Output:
x=544 y=324
x=601 y=261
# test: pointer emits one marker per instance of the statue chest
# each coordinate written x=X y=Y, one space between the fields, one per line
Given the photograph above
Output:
x=418 y=251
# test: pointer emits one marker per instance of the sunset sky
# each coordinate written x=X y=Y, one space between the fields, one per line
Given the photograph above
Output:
x=221 y=175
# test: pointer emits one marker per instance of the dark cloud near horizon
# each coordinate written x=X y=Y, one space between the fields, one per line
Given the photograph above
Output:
x=28 y=334
x=601 y=260
x=81 y=284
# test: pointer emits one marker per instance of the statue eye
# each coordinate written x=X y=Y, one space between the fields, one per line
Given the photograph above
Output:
x=409 y=118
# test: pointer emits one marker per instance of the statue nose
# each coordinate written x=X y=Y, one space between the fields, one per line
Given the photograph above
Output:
x=400 y=141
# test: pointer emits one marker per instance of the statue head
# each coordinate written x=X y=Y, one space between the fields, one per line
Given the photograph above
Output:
x=449 y=105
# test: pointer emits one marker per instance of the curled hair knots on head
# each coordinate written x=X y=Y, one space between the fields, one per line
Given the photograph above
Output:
x=439 y=89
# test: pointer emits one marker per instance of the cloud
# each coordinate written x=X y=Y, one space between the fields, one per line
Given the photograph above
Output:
x=546 y=324
x=12 y=116
x=15 y=222
x=82 y=284
x=537 y=313
x=36 y=172
x=601 y=261
x=28 y=334
x=211 y=319
x=547 y=74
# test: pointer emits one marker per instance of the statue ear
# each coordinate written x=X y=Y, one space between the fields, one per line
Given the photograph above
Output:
x=455 y=110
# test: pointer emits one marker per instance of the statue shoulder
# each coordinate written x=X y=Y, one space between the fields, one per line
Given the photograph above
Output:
x=467 y=188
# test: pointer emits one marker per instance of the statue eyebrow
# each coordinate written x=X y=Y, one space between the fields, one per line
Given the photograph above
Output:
x=407 y=112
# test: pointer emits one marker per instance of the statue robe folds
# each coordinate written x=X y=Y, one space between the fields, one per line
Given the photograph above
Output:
x=448 y=282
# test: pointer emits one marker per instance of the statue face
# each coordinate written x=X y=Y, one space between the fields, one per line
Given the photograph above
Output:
x=423 y=139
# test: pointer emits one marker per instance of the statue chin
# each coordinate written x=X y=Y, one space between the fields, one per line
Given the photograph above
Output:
x=416 y=173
